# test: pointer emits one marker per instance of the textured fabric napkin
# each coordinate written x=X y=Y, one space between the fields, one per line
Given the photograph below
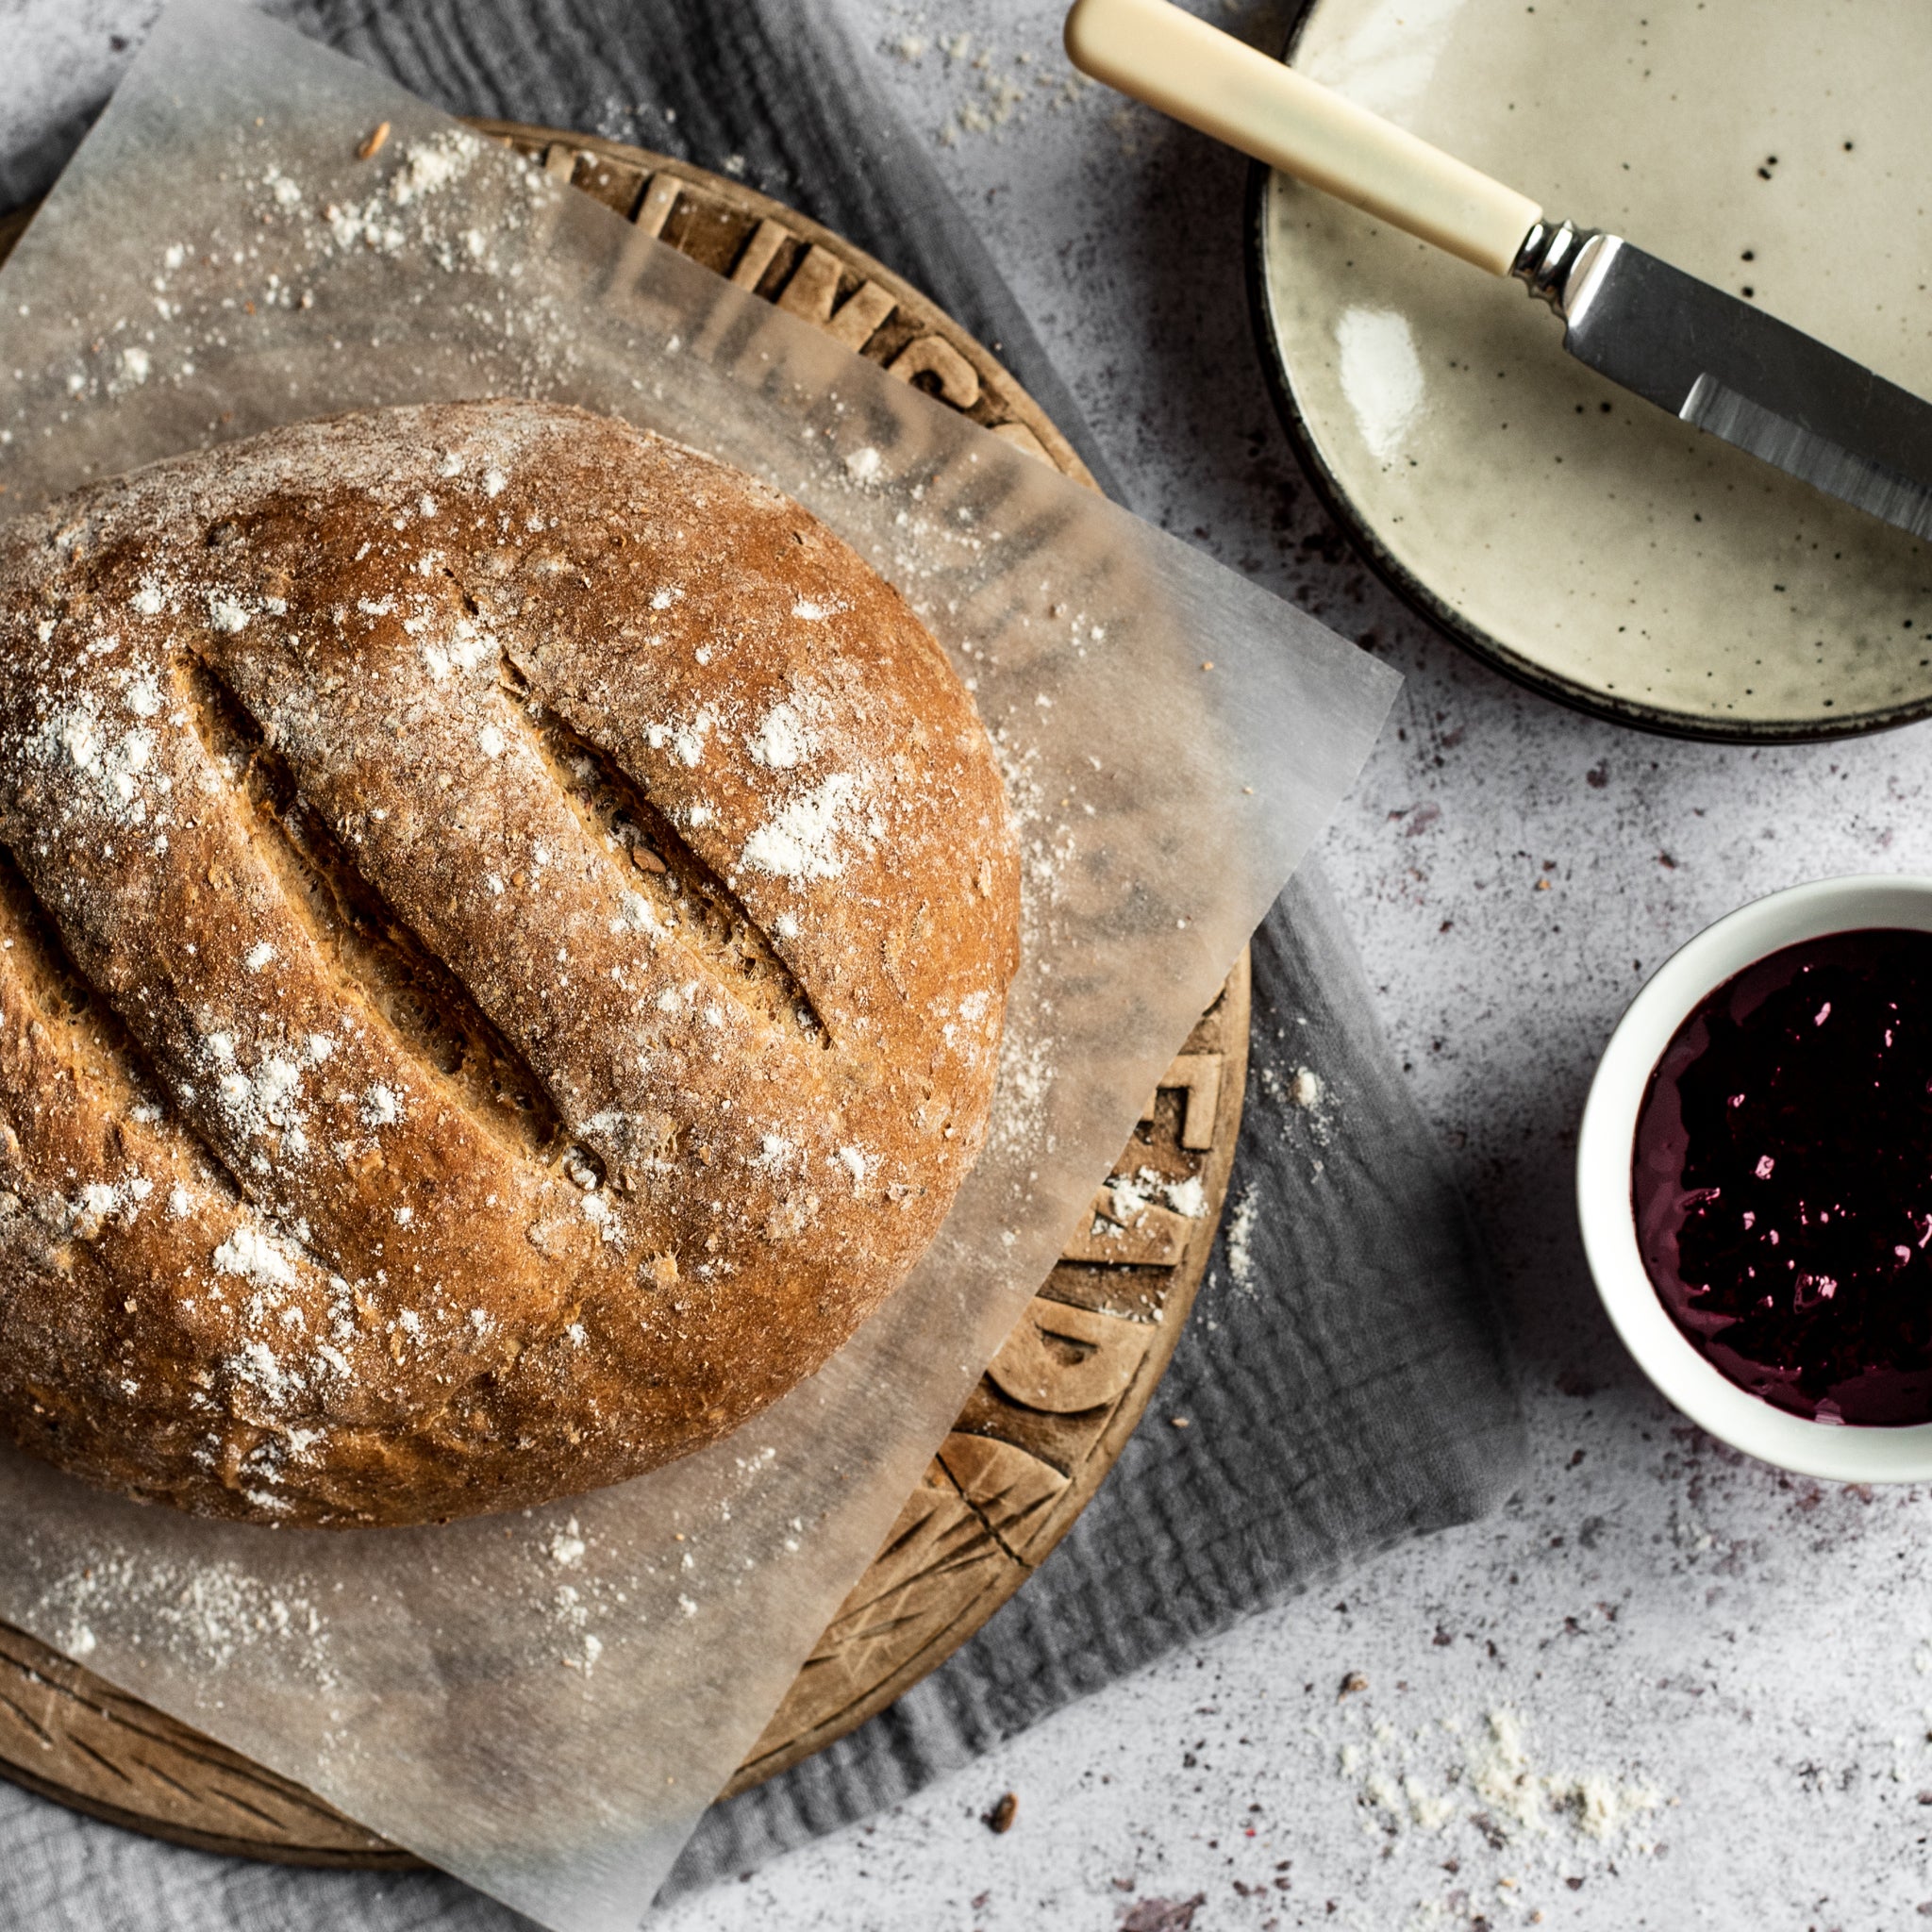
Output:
x=1343 y=1373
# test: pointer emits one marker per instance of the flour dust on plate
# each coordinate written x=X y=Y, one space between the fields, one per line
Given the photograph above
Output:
x=1781 y=1177
x=1572 y=536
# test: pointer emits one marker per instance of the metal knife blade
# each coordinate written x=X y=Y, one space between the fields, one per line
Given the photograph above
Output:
x=1724 y=366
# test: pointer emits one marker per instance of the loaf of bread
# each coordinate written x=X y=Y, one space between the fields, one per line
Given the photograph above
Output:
x=504 y=928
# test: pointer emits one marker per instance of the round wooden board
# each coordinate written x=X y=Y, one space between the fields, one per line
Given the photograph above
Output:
x=1056 y=1405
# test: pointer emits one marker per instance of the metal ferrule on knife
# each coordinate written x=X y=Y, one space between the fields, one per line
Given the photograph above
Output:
x=1559 y=264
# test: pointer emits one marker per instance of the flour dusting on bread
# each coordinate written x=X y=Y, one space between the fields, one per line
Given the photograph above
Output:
x=531 y=908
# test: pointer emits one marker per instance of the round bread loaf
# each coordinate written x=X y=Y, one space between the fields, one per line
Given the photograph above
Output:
x=505 y=926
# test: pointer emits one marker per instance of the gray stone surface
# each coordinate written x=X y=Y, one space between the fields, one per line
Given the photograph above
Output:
x=1673 y=1688
x=1662 y=1619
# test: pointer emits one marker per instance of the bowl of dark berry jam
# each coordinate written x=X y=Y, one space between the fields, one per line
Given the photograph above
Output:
x=1755 y=1179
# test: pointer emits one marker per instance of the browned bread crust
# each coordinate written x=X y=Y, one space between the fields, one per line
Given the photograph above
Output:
x=505 y=925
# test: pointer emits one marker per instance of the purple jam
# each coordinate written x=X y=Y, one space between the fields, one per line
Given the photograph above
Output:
x=1782 y=1179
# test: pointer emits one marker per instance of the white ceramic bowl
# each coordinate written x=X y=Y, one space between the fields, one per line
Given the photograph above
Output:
x=1838 y=1452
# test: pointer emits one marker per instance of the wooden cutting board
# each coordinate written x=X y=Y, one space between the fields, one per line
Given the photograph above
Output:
x=1055 y=1406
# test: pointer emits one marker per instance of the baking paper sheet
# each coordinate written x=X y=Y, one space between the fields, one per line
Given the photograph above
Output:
x=544 y=1703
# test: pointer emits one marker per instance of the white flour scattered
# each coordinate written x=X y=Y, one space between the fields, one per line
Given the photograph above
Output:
x=803 y=841
x=255 y=1258
x=426 y=169
x=782 y=740
x=1446 y=1774
x=270 y=1098
x=225 y=614
x=1129 y=1196
x=1306 y=1100
x=1026 y=1082
x=863 y=465
x=685 y=739
x=1241 y=1235
x=1186 y=1197
x=432 y=165
x=573 y=1613
x=116 y=764
x=202 y=1612
x=1000 y=90
x=1593 y=1805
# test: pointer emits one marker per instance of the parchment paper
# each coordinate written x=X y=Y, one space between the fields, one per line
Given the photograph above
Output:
x=542 y=1704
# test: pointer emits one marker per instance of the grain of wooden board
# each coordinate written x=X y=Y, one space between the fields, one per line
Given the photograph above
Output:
x=1056 y=1405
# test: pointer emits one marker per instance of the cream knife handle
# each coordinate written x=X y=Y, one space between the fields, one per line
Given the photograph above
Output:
x=1172 y=61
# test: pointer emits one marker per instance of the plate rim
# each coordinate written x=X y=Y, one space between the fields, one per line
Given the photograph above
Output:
x=1436 y=610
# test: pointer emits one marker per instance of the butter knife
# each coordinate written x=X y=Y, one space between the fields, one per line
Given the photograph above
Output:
x=1711 y=358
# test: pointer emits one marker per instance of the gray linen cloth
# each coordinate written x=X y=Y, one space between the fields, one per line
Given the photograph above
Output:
x=1346 y=1377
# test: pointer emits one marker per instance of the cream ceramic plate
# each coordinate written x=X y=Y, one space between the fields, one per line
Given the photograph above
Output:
x=1574 y=536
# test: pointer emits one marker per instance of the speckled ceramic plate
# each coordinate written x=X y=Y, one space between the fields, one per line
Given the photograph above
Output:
x=1574 y=536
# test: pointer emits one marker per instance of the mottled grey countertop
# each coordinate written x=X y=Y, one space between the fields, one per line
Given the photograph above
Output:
x=1722 y=1673
x=1721 y=1677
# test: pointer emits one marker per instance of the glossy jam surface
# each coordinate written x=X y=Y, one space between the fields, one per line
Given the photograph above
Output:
x=1782 y=1177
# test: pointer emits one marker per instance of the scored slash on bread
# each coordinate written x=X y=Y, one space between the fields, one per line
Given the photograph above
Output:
x=505 y=925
